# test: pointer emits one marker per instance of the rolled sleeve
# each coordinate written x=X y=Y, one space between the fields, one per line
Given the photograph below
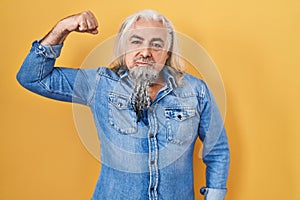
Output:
x=47 y=51
x=213 y=194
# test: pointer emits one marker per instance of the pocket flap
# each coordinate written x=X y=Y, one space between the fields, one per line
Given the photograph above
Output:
x=119 y=101
x=179 y=114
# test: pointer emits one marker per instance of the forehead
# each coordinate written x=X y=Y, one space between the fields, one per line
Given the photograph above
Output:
x=149 y=29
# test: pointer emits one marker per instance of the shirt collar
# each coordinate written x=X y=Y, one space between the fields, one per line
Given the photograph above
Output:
x=169 y=78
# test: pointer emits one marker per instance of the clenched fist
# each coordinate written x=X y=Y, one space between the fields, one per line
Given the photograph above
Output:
x=84 y=22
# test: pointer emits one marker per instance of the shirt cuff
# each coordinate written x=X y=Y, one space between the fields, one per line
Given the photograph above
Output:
x=213 y=194
x=47 y=51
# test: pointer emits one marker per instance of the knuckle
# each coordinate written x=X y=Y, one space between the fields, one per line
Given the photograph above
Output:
x=86 y=13
x=80 y=18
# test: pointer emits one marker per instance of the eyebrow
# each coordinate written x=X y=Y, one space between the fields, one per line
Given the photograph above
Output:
x=136 y=37
x=157 y=39
x=140 y=38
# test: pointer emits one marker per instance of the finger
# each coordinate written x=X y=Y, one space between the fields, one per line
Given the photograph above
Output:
x=95 y=31
x=90 y=24
x=91 y=20
x=82 y=26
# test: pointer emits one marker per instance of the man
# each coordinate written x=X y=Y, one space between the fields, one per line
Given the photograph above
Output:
x=147 y=111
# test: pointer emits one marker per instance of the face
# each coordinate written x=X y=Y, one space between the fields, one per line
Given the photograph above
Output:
x=147 y=45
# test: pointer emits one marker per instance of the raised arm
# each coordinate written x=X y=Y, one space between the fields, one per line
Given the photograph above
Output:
x=84 y=22
x=38 y=73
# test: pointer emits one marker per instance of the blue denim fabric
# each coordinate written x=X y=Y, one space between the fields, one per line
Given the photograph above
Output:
x=149 y=159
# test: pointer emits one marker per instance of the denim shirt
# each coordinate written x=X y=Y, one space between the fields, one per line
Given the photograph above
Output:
x=150 y=159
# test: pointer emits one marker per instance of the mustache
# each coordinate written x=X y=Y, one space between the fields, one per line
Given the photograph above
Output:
x=146 y=60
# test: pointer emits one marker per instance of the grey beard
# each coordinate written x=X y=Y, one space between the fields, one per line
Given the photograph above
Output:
x=142 y=78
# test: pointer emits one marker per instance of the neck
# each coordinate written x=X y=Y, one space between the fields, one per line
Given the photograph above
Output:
x=153 y=90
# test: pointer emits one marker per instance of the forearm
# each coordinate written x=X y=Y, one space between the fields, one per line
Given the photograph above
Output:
x=56 y=36
x=84 y=22
x=217 y=161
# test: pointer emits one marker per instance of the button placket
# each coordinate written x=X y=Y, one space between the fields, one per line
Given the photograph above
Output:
x=153 y=154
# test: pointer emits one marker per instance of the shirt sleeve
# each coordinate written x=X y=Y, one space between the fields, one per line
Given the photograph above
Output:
x=215 y=152
x=39 y=75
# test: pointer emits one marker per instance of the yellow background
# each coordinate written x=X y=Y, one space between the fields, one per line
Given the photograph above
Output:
x=255 y=45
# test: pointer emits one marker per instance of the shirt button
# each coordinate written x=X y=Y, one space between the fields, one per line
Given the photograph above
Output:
x=152 y=188
x=152 y=162
x=203 y=190
x=151 y=135
x=150 y=110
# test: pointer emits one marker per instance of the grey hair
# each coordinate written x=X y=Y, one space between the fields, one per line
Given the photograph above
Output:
x=174 y=63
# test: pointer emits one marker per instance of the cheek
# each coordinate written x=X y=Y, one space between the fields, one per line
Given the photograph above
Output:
x=162 y=57
x=128 y=60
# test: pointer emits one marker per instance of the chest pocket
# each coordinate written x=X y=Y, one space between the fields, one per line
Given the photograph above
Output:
x=121 y=114
x=180 y=124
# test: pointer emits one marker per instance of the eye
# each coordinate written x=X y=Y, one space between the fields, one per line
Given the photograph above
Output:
x=136 y=42
x=157 y=45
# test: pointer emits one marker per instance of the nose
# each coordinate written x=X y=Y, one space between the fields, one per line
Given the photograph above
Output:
x=145 y=52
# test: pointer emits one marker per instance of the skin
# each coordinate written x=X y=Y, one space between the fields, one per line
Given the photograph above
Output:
x=84 y=22
x=146 y=46
x=148 y=40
